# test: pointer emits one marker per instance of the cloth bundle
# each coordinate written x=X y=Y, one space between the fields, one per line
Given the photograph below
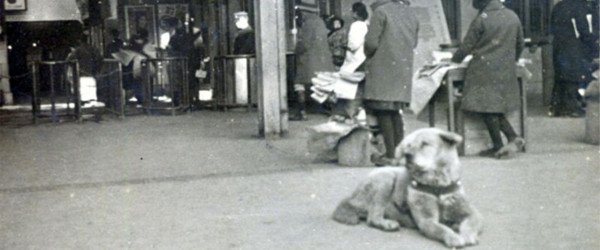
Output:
x=334 y=85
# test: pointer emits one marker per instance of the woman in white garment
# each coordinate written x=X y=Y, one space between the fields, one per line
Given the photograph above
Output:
x=355 y=56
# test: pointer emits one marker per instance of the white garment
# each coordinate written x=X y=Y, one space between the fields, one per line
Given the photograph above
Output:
x=355 y=55
x=87 y=88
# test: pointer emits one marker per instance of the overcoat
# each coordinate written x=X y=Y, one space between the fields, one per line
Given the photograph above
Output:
x=389 y=45
x=495 y=40
x=574 y=42
x=312 y=49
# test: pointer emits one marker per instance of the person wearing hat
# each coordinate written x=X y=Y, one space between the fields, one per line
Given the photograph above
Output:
x=244 y=42
x=491 y=90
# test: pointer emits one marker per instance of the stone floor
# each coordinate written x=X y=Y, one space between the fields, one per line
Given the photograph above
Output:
x=205 y=181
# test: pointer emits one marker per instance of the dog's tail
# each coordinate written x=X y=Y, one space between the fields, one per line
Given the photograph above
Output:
x=346 y=213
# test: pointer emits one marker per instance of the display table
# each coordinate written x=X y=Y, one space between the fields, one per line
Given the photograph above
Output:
x=456 y=117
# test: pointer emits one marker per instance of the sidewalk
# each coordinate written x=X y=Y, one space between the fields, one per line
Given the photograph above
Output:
x=205 y=181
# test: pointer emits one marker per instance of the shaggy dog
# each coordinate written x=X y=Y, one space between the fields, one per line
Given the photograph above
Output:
x=424 y=192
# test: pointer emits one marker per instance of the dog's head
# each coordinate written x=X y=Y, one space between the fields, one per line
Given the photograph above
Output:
x=431 y=156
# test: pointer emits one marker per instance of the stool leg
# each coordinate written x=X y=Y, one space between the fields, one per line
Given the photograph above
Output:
x=460 y=129
x=522 y=120
x=431 y=110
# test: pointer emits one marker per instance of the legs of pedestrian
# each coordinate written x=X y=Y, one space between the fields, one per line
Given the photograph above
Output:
x=300 y=91
x=493 y=127
x=392 y=129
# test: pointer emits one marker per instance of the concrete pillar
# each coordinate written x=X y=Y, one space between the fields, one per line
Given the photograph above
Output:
x=271 y=67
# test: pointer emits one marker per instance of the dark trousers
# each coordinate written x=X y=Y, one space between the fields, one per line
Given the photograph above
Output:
x=565 y=99
x=392 y=128
x=496 y=123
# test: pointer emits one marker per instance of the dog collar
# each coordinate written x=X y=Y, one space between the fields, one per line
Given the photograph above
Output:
x=436 y=190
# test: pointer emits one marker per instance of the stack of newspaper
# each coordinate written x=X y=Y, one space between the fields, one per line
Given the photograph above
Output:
x=334 y=85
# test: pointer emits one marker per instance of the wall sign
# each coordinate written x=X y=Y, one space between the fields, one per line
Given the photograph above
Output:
x=15 y=5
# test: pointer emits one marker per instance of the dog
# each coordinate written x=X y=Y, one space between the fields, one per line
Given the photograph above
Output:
x=424 y=192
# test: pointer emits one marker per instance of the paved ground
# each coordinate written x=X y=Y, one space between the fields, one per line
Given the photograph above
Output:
x=204 y=181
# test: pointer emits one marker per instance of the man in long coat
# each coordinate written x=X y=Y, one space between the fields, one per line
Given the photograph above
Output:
x=574 y=45
x=495 y=39
x=389 y=45
x=312 y=55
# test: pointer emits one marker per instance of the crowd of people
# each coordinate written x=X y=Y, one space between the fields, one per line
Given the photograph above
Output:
x=382 y=46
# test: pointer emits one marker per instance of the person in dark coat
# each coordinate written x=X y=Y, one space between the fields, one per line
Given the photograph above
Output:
x=90 y=64
x=312 y=55
x=389 y=45
x=244 y=42
x=115 y=44
x=573 y=46
x=491 y=89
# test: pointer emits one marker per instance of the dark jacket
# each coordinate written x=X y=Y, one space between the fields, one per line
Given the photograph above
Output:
x=89 y=58
x=495 y=39
x=573 y=50
x=244 y=42
x=312 y=49
x=389 y=45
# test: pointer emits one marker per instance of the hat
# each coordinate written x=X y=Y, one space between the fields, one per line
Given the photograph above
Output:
x=240 y=14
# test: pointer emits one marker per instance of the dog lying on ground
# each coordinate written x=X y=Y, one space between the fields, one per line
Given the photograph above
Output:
x=424 y=192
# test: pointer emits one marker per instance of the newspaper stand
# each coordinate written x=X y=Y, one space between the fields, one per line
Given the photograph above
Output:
x=168 y=77
x=64 y=87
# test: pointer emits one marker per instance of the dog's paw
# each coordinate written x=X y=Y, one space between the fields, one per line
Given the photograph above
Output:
x=387 y=225
x=470 y=239
x=454 y=240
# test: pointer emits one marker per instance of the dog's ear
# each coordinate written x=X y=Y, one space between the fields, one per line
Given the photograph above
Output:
x=450 y=137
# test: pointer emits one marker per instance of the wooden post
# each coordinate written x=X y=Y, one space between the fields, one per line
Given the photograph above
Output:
x=270 y=66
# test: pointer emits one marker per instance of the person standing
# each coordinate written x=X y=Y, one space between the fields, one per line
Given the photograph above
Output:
x=90 y=64
x=389 y=45
x=244 y=42
x=573 y=50
x=355 y=54
x=495 y=40
x=312 y=55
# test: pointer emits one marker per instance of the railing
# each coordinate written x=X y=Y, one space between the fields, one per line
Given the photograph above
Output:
x=166 y=85
x=110 y=87
x=64 y=87
x=236 y=84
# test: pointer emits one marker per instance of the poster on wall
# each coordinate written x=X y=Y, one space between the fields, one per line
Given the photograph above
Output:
x=140 y=20
x=167 y=12
x=15 y=5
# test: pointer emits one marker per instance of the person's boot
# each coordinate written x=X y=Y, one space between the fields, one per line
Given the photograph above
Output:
x=299 y=116
x=511 y=148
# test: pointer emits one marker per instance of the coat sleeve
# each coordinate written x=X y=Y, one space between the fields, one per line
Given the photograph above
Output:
x=586 y=35
x=356 y=35
x=474 y=33
x=520 y=42
x=373 y=37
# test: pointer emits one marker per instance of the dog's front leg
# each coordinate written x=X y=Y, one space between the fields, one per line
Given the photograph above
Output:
x=471 y=227
x=381 y=198
x=425 y=211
